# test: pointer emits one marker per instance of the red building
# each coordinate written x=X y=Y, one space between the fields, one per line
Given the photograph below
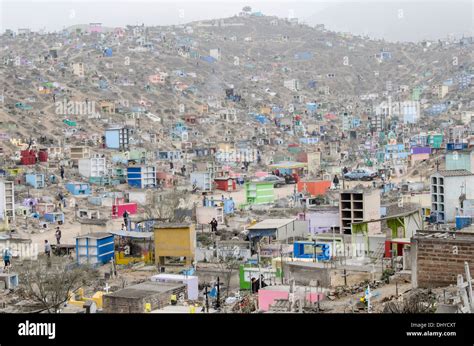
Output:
x=225 y=184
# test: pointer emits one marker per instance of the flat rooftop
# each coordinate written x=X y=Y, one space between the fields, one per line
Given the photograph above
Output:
x=271 y=223
x=145 y=289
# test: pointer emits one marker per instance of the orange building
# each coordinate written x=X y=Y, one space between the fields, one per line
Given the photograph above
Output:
x=314 y=188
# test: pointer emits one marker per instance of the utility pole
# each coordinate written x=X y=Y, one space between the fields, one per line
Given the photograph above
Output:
x=218 y=303
x=207 y=299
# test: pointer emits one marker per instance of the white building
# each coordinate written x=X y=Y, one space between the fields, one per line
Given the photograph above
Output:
x=7 y=200
x=93 y=167
x=292 y=84
x=448 y=189
x=78 y=69
x=215 y=53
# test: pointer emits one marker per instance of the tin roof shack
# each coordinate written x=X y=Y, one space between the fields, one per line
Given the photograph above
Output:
x=278 y=229
x=448 y=190
x=438 y=257
x=133 y=299
x=175 y=240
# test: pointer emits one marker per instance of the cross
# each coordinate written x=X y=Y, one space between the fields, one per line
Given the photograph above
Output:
x=107 y=287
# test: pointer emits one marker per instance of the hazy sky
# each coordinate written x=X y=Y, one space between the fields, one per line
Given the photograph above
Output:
x=378 y=18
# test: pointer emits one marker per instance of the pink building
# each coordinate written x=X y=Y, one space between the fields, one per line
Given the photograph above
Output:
x=268 y=295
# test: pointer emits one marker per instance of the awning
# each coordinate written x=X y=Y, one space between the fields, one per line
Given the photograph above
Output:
x=132 y=234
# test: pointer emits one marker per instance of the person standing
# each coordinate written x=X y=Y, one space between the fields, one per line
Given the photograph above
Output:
x=58 y=235
x=47 y=248
x=125 y=218
x=62 y=172
x=335 y=181
x=6 y=258
x=213 y=224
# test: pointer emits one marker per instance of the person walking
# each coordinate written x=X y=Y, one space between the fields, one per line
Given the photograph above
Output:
x=335 y=181
x=58 y=235
x=47 y=248
x=62 y=172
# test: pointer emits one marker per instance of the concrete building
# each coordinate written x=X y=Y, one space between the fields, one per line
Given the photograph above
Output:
x=357 y=206
x=117 y=137
x=141 y=177
x=136 y=298
x=215 y=53
x=93 y=167
x=292 y=84
x=448 y=188
x=78 y=69
x=175 y=240
x=77 y=153
x=440 y=91
x=460 y=159
x=7 y=200
x=279 y=229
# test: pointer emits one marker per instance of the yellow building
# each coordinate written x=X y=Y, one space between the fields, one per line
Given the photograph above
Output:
x=175 y=240
x=265 y=110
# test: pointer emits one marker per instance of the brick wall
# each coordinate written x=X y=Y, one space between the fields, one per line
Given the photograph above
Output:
x=439 y=261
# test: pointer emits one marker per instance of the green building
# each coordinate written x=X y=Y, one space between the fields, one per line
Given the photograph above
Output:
x=247 y=272
x=261 y=192
x=416 y=93
x=435 y=140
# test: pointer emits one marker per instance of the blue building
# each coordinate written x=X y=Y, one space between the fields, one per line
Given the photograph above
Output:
x=117 y=137
x=35 y=180
x=395 y=151
x=78 y=188
x=308 y=249
x=94 y=248
x=141 y=177
x=56 y=218
x=108 y=52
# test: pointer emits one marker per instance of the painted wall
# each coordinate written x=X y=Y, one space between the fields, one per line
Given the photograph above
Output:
x=266 y=297
x=175 y=242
